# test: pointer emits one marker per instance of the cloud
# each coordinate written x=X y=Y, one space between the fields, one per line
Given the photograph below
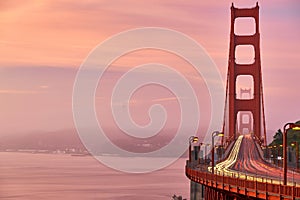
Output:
x=44 y=86
x=167 y=99
x=61 y=34
x=19 y=92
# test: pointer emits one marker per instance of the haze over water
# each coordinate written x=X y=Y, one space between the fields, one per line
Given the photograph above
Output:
x=52 y=176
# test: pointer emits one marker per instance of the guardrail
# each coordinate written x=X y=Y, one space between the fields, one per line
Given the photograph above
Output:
x=251 y=188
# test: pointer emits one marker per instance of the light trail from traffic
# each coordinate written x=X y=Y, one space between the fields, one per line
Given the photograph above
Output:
x=232 y=158
x=245 y=162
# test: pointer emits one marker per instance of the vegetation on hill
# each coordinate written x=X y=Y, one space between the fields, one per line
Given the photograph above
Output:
x=292 y=137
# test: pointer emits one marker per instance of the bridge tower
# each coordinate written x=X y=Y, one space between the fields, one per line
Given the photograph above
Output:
x=243 y=115
x=254 y=104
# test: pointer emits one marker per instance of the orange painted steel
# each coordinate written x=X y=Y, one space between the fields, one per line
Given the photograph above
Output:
x=242 y=124
x=248 y=188
x=255 y=104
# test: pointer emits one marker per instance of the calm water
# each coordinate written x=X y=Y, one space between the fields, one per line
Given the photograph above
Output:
x=50 y=176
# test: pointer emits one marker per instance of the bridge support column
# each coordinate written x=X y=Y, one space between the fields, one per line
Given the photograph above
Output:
x=213 y=194
x=196 y=191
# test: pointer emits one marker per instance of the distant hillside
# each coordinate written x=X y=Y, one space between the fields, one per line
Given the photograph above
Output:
x=64 y=139
x=69 y=139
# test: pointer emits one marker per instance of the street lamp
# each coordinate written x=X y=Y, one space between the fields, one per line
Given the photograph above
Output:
x=205 y=152
x=297 y=152
x=287 y=126
x=192 y=139
x=277 y=153
x=269 y=153
x=219 y=152
x=201 y=159
x=213 y=135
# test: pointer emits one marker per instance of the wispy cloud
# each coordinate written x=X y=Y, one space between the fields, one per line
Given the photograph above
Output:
x=61 y=34
x=44 y=86
x=19 y=92
x=168 y=99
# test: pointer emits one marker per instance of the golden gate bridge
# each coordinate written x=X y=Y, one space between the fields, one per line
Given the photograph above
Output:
x=243 y=173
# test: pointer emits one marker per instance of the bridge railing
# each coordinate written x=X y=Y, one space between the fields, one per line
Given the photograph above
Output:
x=264 y=186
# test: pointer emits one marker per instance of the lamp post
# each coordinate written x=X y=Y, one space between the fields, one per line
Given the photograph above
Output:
x=280 y=151
x=213 y=135
x=275 y=155
x=287 y=126
x=201 y=143
x=219 y=152
x=205 y=152
x=192 y=139
x=297 y=152
x=278 y=156
x=270 y=153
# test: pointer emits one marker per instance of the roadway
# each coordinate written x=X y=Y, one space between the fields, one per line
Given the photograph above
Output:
x=245 y=161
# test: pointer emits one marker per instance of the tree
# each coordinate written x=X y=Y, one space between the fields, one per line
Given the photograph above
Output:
x=278 y=135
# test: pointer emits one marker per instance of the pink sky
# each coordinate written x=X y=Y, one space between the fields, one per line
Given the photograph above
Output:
x=43 y=43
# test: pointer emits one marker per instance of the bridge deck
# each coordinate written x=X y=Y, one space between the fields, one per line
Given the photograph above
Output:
x=245 y=172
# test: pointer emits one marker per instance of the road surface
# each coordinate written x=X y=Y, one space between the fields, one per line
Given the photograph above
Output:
x=245 y=161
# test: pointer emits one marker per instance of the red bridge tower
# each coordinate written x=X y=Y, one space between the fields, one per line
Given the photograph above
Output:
x=254 y=104
x=245 y=122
